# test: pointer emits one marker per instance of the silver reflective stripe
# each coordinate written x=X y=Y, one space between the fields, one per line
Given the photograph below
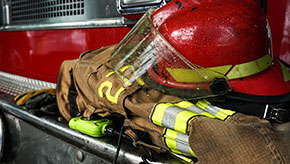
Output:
x=195 y=109
x=169 y=116
x=182 y=143
x=212 y=109
x=175 y=115
x=177 y=142
x=215 y=111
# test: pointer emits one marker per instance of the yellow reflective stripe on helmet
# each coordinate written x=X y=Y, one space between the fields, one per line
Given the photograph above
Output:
x=177 y=142
x=219 y=113
x=208 y=74
x=250 y=68
x=285 y=71
x=194 y=75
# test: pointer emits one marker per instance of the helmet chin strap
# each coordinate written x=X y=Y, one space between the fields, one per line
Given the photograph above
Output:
x=275 y=108
x=279 y=99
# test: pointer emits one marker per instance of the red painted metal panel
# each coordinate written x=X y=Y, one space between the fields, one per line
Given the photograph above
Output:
x=279 y=19
x=38 y=54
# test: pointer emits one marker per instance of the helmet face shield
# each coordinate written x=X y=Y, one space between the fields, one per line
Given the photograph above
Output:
x=145 y=57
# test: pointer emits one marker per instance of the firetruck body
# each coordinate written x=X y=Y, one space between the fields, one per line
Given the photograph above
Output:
x=36 y=36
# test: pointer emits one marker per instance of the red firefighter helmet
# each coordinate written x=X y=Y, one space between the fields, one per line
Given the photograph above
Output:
x=198 y=48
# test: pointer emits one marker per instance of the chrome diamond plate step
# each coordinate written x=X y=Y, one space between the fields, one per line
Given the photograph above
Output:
x=13 y=84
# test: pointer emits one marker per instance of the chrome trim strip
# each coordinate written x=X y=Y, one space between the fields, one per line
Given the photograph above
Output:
x=98 y=146
x=94 y=23
x=132 y=3
x=2 y=135
x=104 y=148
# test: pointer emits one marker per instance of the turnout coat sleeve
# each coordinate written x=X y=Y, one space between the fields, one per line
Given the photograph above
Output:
x=240 y=139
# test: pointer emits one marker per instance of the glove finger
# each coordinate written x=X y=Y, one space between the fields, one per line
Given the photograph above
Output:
x=16 y=98
x=33 y=92
x=40 y=100
x=48 y=99
x=51 y=91
x=50 y=109
x=23 y=97
x=36 y=112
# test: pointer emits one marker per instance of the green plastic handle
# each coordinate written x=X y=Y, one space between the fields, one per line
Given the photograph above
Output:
x=94 y=128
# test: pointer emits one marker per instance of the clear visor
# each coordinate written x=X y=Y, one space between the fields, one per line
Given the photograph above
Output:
x=146 y=58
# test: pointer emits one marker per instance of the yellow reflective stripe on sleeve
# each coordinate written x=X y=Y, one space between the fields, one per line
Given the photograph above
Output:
x=193 y=108
x=176 y=116
x=183 y=158
x=177 y=142
x=202 y=103
x=171 y=116
x=231 y=72
x=184 y=104
x=158 y=113
x=250 y=68
x=214 y=110
x=224 y=114
x=169 y=140
x=182 y=121
x=285 y=71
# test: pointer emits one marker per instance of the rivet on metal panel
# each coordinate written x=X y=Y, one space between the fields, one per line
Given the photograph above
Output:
x=59 y=119
x=80 y=156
